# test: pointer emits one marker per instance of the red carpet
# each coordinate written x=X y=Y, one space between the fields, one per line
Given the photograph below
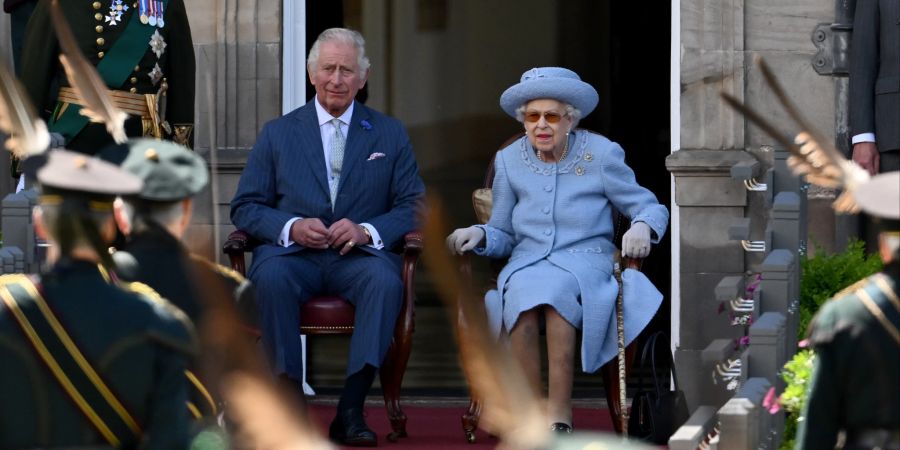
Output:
x=439 y=428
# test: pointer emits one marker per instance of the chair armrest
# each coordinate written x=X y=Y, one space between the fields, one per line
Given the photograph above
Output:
x=632 y=263
x=413 y=242
x=237 y=243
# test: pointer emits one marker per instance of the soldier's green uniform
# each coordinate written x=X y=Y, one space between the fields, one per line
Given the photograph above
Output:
x=133 y=58
x=153 y=255
x=137 y=343
x=855 y=387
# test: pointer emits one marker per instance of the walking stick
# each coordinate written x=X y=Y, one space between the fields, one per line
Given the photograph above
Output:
x=620 y=329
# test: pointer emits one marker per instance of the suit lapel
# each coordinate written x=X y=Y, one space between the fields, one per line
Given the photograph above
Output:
x=358 y=142
x=310 y=137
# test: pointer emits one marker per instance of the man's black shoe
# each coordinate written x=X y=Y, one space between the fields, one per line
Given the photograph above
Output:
x=350 y=429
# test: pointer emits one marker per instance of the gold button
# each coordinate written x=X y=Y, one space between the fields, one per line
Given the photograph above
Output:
x=134 y=5
x=99 y=28
x=133 y=90
x=133 y=80
x=98 y=16
x=101 y=55
x=96 y=5
x=137 y=68
x=101 y=41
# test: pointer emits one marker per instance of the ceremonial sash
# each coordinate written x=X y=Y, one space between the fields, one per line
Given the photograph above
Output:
x=65 y=361
x=114 y=69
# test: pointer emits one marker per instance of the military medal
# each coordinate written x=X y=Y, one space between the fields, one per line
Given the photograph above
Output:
x=144 y=10
x=156 y=74
x=160 y=22
x=152 y=13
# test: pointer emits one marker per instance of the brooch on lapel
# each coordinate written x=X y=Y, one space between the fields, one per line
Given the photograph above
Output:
x=366 y=126
x=375 y=156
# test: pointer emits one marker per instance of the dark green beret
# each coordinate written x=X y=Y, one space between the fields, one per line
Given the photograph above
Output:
x=170 y=172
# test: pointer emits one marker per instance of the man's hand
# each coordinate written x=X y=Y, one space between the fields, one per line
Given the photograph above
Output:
x=866 y=155
x=636 y=241
x=310 y=233
x=464 y=239
x=344 y=235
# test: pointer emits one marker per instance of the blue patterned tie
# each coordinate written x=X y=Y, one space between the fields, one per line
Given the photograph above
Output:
x=336 y=157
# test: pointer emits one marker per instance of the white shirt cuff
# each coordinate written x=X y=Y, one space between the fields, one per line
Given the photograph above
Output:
x=863 y=137
x=284 y=239
x=376 y=238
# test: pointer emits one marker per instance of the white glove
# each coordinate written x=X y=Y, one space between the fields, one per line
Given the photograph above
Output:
x=636 y=241
x=462 y=240
x=57 y=140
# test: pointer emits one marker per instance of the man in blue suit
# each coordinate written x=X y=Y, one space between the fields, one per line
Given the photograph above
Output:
x=330 y=188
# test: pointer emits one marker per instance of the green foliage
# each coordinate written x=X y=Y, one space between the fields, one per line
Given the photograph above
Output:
x=826 y=274
x=796 y=374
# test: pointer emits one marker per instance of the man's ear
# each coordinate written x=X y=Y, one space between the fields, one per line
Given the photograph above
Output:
x=40 y=228
x=121 y=217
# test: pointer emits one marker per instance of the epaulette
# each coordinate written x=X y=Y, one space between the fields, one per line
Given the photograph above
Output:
x=220 y=269
x=850 y=289
x=150 y=294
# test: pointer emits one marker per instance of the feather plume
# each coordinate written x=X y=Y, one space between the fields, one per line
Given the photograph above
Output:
x=512 y=409
x=98 y=105
x=812 y=155
x=27 y=133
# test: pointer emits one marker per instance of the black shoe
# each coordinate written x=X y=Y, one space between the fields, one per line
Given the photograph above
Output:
x=561 y=428
x=350 y=429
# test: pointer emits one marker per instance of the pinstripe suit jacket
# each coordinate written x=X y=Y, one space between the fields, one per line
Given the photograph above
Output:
x=875 y=72
x=285 y=178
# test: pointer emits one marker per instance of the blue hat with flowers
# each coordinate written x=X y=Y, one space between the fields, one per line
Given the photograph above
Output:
x=556 y=83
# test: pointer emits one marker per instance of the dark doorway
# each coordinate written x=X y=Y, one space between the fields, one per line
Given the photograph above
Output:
x=440 y=67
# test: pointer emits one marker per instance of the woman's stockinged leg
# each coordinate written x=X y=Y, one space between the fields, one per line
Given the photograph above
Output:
x=560 y=354
x=523 y=340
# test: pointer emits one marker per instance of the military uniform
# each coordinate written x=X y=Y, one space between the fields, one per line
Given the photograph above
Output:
x=154 y=256
x=88 y=362
x=135 y=59
x=855 y=386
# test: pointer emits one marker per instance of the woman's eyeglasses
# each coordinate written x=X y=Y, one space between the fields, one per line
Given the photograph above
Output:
x=549 y=116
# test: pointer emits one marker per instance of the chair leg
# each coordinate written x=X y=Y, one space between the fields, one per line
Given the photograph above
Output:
x=391 y=378
x=470 y=419
x=610 y=372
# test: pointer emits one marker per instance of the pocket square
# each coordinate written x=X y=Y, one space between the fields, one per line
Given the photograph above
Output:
x=375 y=156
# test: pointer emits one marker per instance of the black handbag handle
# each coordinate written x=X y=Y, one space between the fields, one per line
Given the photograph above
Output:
x=650 y=347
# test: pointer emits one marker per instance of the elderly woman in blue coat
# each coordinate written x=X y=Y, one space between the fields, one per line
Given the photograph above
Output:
x=553 y=195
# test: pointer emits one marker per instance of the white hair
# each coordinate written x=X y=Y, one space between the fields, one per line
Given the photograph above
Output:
x=345 y=36
x=571 y=111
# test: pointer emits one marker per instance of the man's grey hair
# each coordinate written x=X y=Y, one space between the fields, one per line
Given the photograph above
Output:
x=571 y=111
x=139 y=213
x=345 y=36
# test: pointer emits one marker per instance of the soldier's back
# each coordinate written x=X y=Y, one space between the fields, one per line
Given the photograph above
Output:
x=857 y=344
x=137 y=344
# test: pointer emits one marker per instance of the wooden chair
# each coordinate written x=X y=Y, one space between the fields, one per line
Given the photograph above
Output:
x=334 y=315
x=609 y=371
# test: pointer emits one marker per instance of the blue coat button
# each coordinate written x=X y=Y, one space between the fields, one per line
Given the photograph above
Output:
x=548 y=232
x=548 y=188
x=546 y=210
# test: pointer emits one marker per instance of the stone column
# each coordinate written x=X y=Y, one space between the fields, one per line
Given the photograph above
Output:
x=238 y=49
x=709 y=200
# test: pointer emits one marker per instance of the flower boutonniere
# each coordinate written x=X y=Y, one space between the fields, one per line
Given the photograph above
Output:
x=365 y=125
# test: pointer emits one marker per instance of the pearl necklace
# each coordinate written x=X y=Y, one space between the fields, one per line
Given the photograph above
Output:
x=562 y=157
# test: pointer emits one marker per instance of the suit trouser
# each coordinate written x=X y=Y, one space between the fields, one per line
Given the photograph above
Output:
x=283 y=283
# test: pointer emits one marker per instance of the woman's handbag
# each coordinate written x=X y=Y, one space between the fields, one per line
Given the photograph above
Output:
x=656 y=413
